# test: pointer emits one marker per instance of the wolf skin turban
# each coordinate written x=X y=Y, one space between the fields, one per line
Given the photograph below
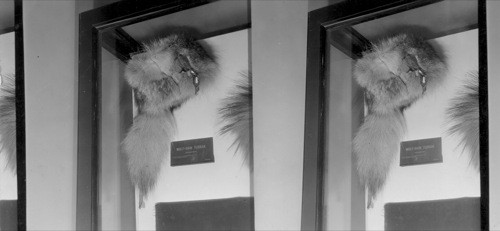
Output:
x=395 y=73
x=166 y=74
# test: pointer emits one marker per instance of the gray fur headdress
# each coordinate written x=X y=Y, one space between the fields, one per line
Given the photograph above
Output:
x=167 y=73
x=395 y=73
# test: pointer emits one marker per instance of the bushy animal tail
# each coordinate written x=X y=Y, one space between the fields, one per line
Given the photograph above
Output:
x=146 y=146
x=375 y=147
x=8 y=120
x=463 y=119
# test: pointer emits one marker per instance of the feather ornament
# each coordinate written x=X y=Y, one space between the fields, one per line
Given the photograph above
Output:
x=167 y=73
x=463 y=119
x=395 y=73
x=236 y=117
x=8 y=120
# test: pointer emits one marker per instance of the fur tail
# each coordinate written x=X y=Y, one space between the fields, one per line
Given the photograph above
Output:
x=146 y=146
x=8 y=120
x=375 y=147
x=463 y=119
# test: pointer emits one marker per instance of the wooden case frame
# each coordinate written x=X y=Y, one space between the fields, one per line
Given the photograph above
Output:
x=17 y=29
x=352 y=12
x=92 y=24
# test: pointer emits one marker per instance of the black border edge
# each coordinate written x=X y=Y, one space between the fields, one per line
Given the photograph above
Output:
x=84 y=205
x=20 y=116
x=312 y=183
x=483 y=115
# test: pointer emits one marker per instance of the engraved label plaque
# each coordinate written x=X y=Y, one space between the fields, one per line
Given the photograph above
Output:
x=194 y=151
x=423 y=151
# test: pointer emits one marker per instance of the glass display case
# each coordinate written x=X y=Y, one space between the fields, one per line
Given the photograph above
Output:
x=164 y=121
x=12 y=149
x=396 y=117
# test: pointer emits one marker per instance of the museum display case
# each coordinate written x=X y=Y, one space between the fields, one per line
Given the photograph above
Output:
x=396 y=133
x=164 y=119
x=12 y=147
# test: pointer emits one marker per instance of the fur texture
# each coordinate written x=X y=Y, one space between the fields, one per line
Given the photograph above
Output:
x=8 y=120
x=375 y=144
x=394 y=73
x=167 y=73
x=236 y=117
x=463 y=119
